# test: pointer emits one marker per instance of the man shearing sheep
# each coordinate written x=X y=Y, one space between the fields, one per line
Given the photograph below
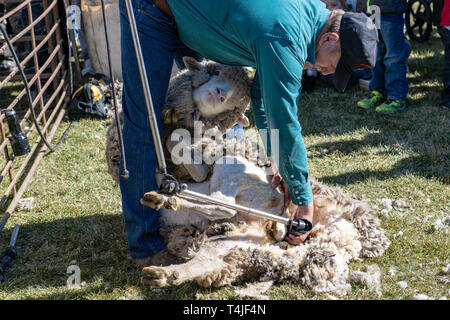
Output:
x=278 y=38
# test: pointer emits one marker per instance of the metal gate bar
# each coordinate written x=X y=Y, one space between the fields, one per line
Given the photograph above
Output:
x=49 y=78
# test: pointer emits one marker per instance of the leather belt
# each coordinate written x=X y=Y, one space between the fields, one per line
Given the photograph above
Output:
x=162 y=5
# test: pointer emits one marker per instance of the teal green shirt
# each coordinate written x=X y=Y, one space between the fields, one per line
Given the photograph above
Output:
x=276 y=37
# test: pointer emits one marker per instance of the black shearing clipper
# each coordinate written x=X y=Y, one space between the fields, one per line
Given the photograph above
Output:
x=19 y=141
x=299 y=227
x=7 y=256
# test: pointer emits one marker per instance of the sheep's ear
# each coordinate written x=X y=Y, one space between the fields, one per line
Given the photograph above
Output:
x=192 y=64
x=243 y=121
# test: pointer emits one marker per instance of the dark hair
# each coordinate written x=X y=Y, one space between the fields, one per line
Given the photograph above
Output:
x=333 y=23
x=338 y=4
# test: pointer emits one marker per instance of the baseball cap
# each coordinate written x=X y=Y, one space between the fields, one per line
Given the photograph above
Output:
x=359 y=40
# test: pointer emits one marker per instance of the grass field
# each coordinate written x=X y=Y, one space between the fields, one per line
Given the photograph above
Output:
x=76 y=219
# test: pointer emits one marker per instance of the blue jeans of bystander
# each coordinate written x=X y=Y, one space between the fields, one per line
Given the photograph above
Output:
x=389 y=73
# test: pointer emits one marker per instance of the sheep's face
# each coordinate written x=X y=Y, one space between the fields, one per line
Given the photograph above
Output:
x=218 y=94
x=213 y=97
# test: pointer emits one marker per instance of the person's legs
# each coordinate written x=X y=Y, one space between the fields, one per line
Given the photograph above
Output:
x=445 y=37
x=377 y=83
x=158 y=39
x=395 y=59
x=378 y=72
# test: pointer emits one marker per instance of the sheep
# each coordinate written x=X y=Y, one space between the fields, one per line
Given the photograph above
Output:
x=182 y=112
x=217 y=247
x=245 y=248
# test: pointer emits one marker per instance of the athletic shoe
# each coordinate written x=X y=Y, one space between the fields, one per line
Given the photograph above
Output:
x=376 y=98
x=391 y=106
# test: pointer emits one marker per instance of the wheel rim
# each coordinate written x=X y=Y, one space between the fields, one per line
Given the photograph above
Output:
x=418 y=20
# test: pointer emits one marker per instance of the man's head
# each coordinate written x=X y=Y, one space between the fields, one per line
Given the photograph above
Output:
x=328 y=45
x=347 y=42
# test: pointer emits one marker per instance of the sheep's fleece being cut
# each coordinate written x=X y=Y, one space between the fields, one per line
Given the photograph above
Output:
x=243 y=248
x=181 y=112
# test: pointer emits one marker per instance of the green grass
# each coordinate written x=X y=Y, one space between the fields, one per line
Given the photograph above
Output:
x=77 y=211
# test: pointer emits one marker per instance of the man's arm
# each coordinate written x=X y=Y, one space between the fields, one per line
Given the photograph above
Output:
x=259 y=113
x=279 y=75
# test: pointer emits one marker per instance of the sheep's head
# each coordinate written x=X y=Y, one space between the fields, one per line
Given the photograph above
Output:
x=215 y=94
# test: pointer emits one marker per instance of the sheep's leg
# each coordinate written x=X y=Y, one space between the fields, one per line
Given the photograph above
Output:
x=156 y=200
x=210 y=211
x=206 y=265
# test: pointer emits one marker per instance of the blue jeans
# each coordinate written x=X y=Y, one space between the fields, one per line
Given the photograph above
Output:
x=159 y=42
x=389 y=73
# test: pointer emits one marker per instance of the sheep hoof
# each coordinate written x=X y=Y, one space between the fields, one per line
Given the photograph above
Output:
x=172 y=203
x=170 y=116
x=160 y=276
x=154 y=282
x=156 y=200
x=151 y=204
x=156 y=272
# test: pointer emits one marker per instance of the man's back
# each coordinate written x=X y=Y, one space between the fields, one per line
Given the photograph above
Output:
x=225 y=30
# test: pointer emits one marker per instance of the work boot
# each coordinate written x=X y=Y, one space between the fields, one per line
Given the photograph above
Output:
x=162 y=258
x=376 y=98
x=391 y=106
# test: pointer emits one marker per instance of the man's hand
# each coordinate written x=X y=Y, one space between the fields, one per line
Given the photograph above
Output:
x=275 y=182
x=302 y=212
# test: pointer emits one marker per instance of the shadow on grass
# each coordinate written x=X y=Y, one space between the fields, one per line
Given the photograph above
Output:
x=97 y=244
x=422 y=132
x=411 y=165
